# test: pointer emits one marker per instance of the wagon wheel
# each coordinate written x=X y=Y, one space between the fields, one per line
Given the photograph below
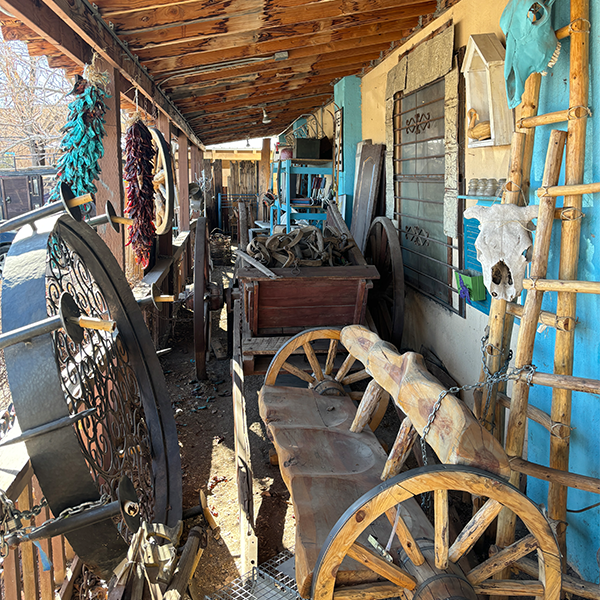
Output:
x=386 y=298
x=164 y=183
x=419 y=542
x=202 y=270
x=117 y=374
x=323 y=373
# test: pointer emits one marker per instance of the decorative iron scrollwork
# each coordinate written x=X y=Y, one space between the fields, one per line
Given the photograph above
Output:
x=418 y=123
x=417 y=235
x=96 y=374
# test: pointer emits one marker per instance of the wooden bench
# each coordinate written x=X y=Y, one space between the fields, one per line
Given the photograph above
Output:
x=333 y=467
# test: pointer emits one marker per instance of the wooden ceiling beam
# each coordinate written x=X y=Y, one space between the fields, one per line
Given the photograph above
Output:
x=213 y=107
x=269 y=81
x=316 y=100
x=275 y=112
x=178 y=57
x=110 y=8
x=257 y=99
x=73 y=28
x=318 y=16
x=284 y=68
x=260 y=85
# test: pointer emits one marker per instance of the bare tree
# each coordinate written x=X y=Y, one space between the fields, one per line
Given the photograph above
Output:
x=33 y=104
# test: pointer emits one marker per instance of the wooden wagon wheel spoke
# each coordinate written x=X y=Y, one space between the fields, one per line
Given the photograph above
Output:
x=292 y=370
x=474 y=529
x=395 y=500
x=503 y=559
x=314 y=362
x=346 y=366
x=382 y=567
x=331 y=354
x=405 y=536
x=442 y=529
x=306 y=358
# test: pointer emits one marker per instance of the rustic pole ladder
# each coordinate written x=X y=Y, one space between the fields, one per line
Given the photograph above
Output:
x=488 y=405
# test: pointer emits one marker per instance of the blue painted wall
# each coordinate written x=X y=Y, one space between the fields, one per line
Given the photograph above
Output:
x=583 y=532
x=347 y=94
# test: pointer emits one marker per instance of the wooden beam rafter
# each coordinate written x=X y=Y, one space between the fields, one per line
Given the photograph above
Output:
x=316 y=17
x=229 y=48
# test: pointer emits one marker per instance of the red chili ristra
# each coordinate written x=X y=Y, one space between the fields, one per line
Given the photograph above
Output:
x=139 y=164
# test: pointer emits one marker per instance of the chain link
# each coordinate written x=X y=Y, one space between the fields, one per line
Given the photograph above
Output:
x=491 y=379
x=12 y=517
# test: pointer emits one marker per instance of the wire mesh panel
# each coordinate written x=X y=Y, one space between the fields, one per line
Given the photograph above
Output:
x=273 y=580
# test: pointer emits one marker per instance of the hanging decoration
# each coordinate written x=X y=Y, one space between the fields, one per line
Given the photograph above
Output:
x=139 y=165
x=531 y=44
x=82 y=145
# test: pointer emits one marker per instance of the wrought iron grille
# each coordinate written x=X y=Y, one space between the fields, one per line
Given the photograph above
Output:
x=429 y=256
x=96 y=374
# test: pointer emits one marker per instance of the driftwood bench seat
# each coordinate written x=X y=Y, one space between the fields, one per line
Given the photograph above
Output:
x=345 y=488
x=325 y=467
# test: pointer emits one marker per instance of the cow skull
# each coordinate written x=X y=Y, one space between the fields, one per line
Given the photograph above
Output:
x=503 y=239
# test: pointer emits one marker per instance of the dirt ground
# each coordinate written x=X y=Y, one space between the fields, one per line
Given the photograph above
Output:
x=204 y=417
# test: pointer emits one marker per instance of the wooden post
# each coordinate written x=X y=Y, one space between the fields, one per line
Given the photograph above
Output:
x=499 y=323
x=110 y=186
x=515 y=434
x=28 y=562
x=217 y=168
x=46 y=578
x=183 y=180
x=265 y=166
x=569 y=257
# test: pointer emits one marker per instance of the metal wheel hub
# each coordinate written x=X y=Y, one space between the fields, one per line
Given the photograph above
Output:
x=329 y=387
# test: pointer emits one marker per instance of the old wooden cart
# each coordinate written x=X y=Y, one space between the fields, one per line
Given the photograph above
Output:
x=275 y=309
x=360 y=532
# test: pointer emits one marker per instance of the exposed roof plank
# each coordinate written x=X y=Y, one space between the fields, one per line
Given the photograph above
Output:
x=216 y=58
x=283 y=80
x=316 y=17
x=110 y=8
x=235 y=47
x=330 y=66
x=214 y=107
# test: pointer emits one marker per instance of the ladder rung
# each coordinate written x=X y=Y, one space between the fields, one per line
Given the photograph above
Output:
x=562 y=285
x=569 y=190
x=577 y=26
x=572 y=480
x=565 y=382
x=559 y=116
x=546 y=318
x=533 y=413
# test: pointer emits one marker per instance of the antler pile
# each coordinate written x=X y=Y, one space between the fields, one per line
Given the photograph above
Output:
x=305 y=247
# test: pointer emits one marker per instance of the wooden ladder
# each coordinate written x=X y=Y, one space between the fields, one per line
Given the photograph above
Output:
x=490 y=403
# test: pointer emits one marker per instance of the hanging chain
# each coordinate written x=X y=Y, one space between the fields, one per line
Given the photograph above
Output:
x=12 y=518
x=491 y=379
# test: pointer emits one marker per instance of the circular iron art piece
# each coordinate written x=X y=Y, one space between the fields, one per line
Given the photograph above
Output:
x=131 y=432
